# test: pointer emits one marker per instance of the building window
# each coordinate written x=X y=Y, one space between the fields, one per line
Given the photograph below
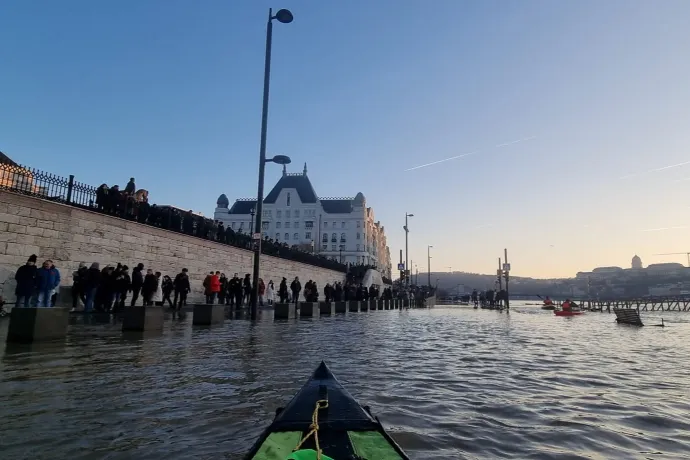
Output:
x=265 y=235
x=309 y=224
x=342 y=224
x=232 y=225
x=342 y=238
x=296 y=212
x=342 y=247
x=287 y=213
x=287 y=237
x=241 y=226
x=358 y=247
x=307 y=235
x=295 y=237
x=278 y=224
x=287 y=224
x=358 y=236
x=325 y=224
x=324 y=247
x=296 y=225
x=358 y=224
x=333 y=247
x=277 y=236
x=279 y=214
x=334 y=238
x=325 y=237
x=267 y=213
x=264 y=225
x=288 y=201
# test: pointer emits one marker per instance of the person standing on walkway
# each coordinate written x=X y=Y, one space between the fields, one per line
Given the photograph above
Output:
x=137 y=282
x=123 y=284
x=78 y=293
x=91 y=282
x=148 y=290
x=182 y=287
x=214 y=287
x=26 y=282
x=283 y=291
x=270 y=293
x=247 y=285
x=296 y=288
x=47 y=281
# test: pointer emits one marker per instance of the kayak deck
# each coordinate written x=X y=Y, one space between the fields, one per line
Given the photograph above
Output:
x=346 y=431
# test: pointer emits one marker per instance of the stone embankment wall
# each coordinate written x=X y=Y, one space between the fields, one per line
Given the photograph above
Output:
x=70 y=235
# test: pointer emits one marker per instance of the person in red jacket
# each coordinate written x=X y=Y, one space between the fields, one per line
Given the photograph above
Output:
x=214 y=286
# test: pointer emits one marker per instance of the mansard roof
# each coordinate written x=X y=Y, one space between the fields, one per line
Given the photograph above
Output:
x=299 y=182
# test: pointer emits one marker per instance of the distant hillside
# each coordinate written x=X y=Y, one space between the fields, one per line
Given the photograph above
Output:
x=519 y=285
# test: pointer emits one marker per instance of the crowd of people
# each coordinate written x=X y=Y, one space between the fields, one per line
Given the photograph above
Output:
x=490 y=298
x=110 y=288
x=134 y=205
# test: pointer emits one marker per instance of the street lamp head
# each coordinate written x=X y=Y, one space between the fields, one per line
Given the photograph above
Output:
x=284 y=16
x=281 y=160
x=409 y=215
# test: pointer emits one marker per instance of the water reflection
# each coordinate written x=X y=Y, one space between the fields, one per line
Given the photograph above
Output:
x=450 y=383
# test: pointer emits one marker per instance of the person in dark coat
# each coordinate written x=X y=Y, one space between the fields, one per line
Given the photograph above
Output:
x=47 y=282
x=91 y=283
x=26 y=282
x=235 y=287
x=182 y=287
x=149 y=287
x=296 y=288
x=123 y=283
x=247 y=285
x=167 y=290
x=130 y=188
x=283 y=291
x=137 y=283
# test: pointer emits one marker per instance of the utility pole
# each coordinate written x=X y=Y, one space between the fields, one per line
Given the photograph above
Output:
x=499 y=273
x=407 y=231
x=506 y=270
x=428 y=261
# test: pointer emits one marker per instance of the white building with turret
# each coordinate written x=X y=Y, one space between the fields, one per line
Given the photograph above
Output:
x=343 y=229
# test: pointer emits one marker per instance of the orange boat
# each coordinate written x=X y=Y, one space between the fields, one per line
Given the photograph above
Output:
x=567 y=313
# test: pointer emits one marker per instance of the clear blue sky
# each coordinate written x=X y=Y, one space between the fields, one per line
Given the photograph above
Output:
x=169 y=91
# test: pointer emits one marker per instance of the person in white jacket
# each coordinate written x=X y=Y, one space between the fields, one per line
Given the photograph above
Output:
x=158 y=295
x=270 y=293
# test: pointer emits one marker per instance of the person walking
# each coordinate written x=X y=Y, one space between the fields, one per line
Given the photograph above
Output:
x=158 y=294
x=91 y=283
x=295 y=287
x=26 y=282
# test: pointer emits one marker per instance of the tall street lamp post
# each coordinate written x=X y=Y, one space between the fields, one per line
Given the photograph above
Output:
x=284 y=16
x=428 y=260
x=407 y=267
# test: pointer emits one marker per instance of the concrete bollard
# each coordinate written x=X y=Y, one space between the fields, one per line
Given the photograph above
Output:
x=364 y=306
x=341 y=307
x=142 y=318
x=309 y=309
x=284 y=311
x=373 y=304
x=381 y=304
x=353 y=305
x=207 y=314
x=29 y=325
x=326 y=308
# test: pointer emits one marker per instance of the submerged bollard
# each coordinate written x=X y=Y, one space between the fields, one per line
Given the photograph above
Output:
x=29 y=325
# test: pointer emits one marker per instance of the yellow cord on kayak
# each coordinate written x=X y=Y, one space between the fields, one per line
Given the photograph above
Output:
x=314 y=428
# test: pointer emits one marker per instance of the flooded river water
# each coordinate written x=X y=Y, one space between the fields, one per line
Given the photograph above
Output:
x=448 y=383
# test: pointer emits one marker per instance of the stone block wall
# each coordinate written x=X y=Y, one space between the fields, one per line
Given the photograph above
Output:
x=70 y=235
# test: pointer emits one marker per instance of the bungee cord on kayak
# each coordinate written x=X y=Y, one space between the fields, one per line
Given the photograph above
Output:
x=314 y=430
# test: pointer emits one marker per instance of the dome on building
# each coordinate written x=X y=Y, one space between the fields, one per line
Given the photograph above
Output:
x=359 y=199
x=223 y=201
x=636 y=262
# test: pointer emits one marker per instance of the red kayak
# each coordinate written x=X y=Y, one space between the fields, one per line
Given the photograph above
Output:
x=567 y=313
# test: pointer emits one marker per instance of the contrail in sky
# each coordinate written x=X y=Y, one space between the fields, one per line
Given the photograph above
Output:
x=443 y=161
x=515 y=142
x=628 y=176
x=468 y=154
x=665 y=228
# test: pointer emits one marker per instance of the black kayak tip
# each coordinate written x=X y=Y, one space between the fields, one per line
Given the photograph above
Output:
x=322 y=372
